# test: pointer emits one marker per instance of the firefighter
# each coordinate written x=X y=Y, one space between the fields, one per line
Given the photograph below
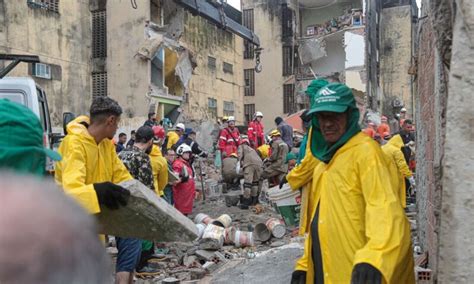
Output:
x=229 y=138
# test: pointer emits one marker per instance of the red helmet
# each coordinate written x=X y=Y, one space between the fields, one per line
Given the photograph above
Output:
x=159 y=132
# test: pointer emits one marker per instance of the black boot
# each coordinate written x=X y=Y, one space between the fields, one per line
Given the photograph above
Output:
x=254 y=200
x=245 y=203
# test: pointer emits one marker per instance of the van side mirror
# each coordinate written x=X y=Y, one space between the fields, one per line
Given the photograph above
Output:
x=67 y=117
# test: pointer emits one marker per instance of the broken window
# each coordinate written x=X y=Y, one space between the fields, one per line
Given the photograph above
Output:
x=212 y=106
x=211 y=62
x=99 y=34
x=248 y=22
x=228 y=68
x=249 y=77
x=50 y=5
x=288 y=60
x=99 y=84
x=249 y=110
x=289 y=103
x=286 y=21
x=228 y=108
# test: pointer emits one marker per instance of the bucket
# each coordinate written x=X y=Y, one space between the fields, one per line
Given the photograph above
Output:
x=232 y=198
x=202 y=218
x=262 y=233
x=276 y=227
x=229 y=235
x=201 y=227
x=223 y=221
x=212 y=188
x=215 y=233
x=287 y=202
x=243 y=239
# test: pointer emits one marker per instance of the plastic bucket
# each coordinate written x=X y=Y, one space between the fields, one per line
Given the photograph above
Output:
x=215 y=233
x=243 y=239
x=262 y=233
x=287 y=202
x=276 y=227
x=223 y=221
x=212 y=188
x=229 y=235
x=202 y=218
x=201 y=227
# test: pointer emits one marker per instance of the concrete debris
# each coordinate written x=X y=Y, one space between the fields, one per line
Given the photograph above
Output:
x=147 y=217
x=204 y=254
x=311 y=50
x=184 y=68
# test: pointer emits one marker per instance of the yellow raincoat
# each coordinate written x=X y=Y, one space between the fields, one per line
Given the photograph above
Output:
x=360 y=219
x=393 y=152
x=173 y=138
x=159 y=165
x=85 y=162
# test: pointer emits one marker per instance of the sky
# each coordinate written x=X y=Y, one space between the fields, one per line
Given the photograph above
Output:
x=236 y=3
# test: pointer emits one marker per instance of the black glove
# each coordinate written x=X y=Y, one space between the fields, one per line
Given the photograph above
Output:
x=283 y=181
x=298 y=277
x=111 y=195
x=365 y=273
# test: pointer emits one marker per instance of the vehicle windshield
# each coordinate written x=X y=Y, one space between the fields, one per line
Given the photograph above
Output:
x=16 y=96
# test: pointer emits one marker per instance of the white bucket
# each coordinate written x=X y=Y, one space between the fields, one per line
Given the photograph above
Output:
x=203 y=218
x=214 y=232
x=287 y=202
x=212 y=188
x=243 y=239
x=223 y=221
x=201 y=228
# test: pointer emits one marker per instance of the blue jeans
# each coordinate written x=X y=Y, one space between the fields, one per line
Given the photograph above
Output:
x=129 y=251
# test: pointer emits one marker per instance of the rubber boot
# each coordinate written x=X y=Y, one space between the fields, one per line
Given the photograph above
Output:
x=254 y=200
x=245 y=203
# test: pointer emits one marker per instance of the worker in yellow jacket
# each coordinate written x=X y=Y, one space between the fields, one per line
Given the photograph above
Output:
x=90 y=170
x=174 y=135
x=393 y=150
x=159 y=164
x=357 y=230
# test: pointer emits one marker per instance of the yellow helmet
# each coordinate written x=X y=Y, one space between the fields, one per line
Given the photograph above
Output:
x=275 y=133
x=233 y=155
x=225 y=118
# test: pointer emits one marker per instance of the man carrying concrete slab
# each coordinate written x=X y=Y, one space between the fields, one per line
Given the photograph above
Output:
x=90 y=171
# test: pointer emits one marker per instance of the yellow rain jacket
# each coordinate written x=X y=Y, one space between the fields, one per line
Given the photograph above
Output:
x=85 y=162
x=173 y=138
x=360 y=219
x=393 y=152
x=159 y=165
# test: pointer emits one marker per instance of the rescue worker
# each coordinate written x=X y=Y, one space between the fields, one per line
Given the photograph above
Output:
x=251 y=166
x=275 y=167
x=357 y=229
x=132 y=139
x=191 y=142
x=151 y=120
x=137 y=161
x=255 y=132
x=285 y=130
x=90 y=171
x=173 y=136
x=393 y=150
x=159 y=164
x=403 y=116
x=185 y=190
x=264 y=151
x=383 y=127
x=170 y=155
x=229 y=138
x=230 y=173
x=121 y=143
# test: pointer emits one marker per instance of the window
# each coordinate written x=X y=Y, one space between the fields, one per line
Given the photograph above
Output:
x=289 y=104
x=99 y=34
x=212 y=106
x=50 y=5
x=286 y=21
x=248 y=22
x=99 y=84
x=249 y=77
x=41 y=70
x=228 y=108
x=287 y=60
x=228 y=68
x=211 y=62
x=249 y=110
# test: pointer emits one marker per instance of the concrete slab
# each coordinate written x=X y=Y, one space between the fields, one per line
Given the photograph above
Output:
x=147 y=217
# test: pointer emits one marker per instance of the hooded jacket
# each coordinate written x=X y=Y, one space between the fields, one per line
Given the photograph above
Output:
x=159 y=166
x=360 y=219
x=85 y=162
x=393 y=151
x=184 y=192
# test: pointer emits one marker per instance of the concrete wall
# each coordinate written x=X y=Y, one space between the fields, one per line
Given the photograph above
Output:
x=336 y=56
x=395 y=57
x=269 y=83
x=310 y=17
x=61 y=39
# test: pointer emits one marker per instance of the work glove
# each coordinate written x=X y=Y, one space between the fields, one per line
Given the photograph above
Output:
x=283 y=181
x=298 y=277
x=412 y=181
x=365 y=273
x=111 y=195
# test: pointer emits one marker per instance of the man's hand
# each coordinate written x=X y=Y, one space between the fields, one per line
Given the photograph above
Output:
x=365 y=273
x=111 y=195
x=298 y=277
x=283 y=181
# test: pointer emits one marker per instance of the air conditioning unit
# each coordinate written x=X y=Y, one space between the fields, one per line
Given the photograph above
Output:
x=42 y=70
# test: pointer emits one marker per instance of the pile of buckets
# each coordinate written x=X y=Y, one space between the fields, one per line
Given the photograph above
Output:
x=221 y=231
x=273 y=227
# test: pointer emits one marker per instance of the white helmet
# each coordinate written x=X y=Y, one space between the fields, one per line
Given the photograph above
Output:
x=258 y=113
x=183 y=148
x=231 y=118
x=180 y=126
x=403 y=109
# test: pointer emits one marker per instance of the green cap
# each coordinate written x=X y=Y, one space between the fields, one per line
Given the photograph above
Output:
x=21 y=135
x=334 y=97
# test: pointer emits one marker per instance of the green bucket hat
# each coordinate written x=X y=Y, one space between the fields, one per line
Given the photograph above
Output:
x=21 y=142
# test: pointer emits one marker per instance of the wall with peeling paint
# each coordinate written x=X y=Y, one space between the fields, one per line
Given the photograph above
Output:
x=61 y=39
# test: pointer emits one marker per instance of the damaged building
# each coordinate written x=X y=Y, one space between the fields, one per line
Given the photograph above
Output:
x=302 y=40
